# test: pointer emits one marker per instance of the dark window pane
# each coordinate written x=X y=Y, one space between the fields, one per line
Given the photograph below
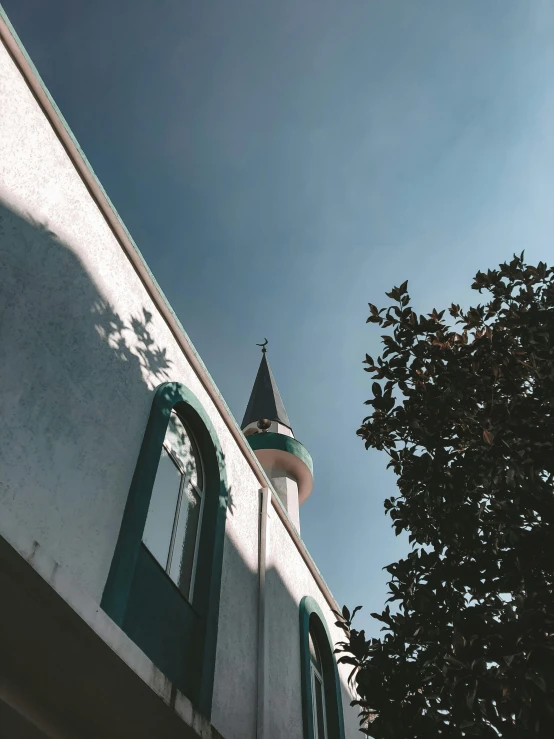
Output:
x=182 y=559
x=319 y=709
x=161 y=513
x=314 y=653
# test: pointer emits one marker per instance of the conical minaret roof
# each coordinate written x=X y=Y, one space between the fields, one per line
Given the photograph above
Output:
x=265 y=399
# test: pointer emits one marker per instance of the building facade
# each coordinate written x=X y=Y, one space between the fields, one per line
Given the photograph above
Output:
x=153 y=582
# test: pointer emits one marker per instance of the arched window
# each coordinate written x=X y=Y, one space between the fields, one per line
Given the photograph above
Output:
x=321 y=695
x=164 y=582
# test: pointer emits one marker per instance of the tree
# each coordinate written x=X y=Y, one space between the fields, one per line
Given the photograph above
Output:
x=466 y=417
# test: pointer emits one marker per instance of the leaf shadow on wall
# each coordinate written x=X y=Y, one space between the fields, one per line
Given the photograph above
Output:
x=77 y=382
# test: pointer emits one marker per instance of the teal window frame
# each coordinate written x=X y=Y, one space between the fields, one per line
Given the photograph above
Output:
x=118 y=595
x=313 y=621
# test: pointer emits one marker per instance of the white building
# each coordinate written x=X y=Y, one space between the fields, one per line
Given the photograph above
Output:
x=153 y=582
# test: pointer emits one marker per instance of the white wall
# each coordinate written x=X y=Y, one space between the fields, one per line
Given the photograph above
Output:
x=82 y=347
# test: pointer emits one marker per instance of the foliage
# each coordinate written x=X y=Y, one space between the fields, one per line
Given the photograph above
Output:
x=466 y=417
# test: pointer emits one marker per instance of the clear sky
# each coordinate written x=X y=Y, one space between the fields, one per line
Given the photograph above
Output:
x=280 y=163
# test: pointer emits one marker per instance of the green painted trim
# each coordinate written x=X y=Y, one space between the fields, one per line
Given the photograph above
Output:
x=171 y=395
x=283 y=443
x=311 y=617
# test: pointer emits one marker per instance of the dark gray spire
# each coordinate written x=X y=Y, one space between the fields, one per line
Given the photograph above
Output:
x=265 y=400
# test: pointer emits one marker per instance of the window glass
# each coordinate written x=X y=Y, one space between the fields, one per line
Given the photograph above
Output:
x=314 y=654
x=318 y=696
x=184 y=547
x=182 y=446
x=175 y=512
x=319 y=709
x=161 y=513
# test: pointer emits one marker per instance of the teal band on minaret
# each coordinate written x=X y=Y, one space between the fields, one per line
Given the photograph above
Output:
x=302 y=465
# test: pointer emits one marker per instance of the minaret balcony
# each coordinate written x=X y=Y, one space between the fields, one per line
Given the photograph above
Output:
x=277 y=451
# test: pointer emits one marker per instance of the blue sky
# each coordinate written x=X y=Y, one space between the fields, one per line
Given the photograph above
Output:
x=280 y=163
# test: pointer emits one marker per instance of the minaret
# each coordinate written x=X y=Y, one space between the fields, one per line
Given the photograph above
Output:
x=285 y=460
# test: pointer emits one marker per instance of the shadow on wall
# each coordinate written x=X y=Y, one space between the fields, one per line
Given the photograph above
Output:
x=234 y=707
x=77 y=380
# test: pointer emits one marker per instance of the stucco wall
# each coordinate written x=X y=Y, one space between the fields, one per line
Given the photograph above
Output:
x=82 y=348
